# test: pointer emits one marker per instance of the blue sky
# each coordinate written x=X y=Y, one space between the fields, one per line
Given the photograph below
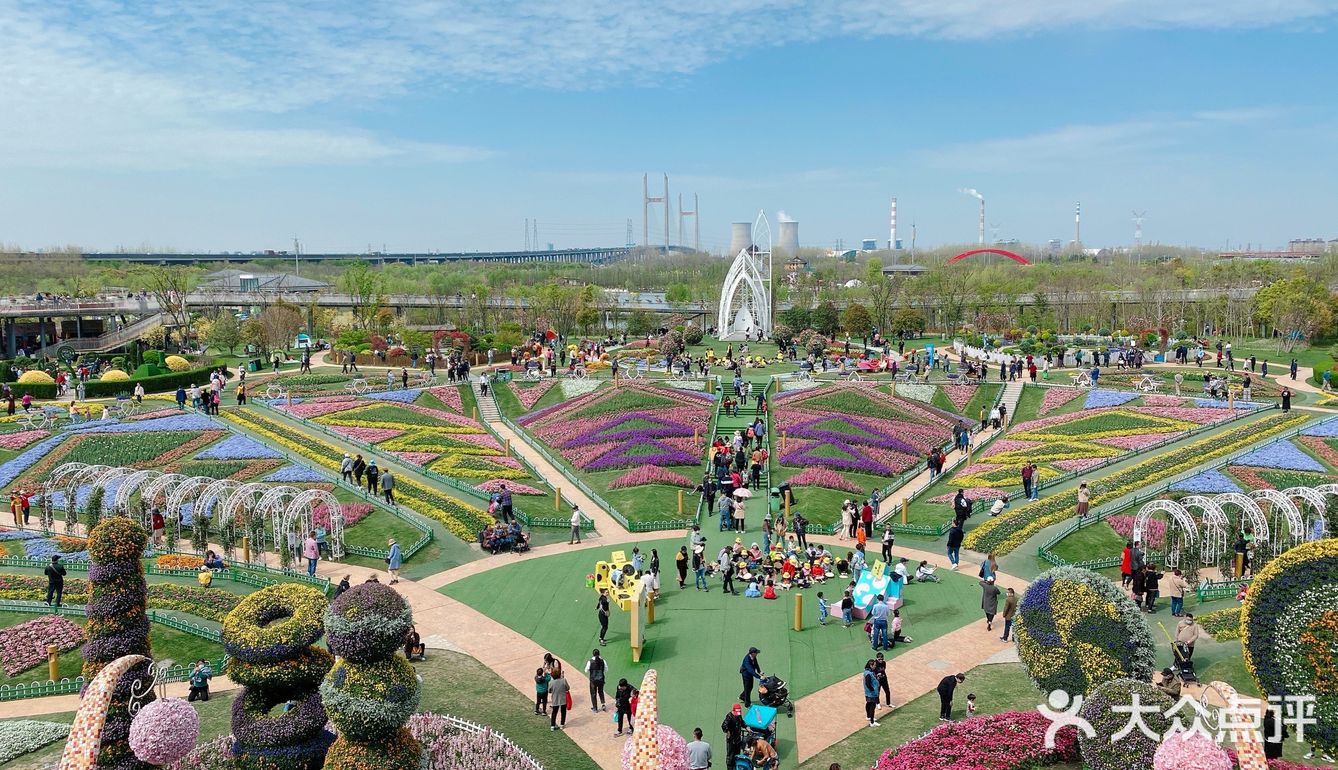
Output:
x=444 y=125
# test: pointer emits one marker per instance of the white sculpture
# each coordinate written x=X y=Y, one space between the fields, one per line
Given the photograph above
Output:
x=745 y=301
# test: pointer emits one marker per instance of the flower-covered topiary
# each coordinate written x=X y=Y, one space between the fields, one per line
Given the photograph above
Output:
x=269 y=636
x=177 y=363
x=1075 y=629
x=1190 y=751
x=673 y=750
x=118 y=625
x=1289 y=625
x=164 y=731
x=372 y=691
x=1133 y=749
x=114 y=375
x=36 y=377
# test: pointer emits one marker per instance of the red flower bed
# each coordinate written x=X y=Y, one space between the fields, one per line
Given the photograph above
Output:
x=1012 y=739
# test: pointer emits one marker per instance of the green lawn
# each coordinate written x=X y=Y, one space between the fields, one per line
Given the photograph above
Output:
x=1091 y=542
x=454 y=684
x=699 y=638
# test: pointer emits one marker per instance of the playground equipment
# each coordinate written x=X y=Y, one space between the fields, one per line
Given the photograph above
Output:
x=872 y=583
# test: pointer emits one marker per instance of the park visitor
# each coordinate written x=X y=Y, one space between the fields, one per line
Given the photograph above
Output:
x=946 y=687
x=575 y=538
x=393 y=561
x=699 y=752
x=595 y=669
x=870 y=682
x=989 y=601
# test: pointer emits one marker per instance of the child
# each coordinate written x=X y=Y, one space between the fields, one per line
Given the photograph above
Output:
x=925 y=573
x=770 y=592
x=822 y=610
x=847 y=607
x=752 y=592
x=541 y=680
x=970 y=704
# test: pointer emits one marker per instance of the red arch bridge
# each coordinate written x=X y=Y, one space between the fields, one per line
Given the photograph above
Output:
x=1018 y=258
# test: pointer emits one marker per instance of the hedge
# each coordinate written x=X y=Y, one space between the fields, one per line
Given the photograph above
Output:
x=156 y=384
x=39 y=389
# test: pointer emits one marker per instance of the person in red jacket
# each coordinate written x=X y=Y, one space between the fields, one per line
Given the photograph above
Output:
x=1126 y=564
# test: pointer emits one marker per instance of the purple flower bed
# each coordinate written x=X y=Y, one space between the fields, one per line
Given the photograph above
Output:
x=180 y=422
x=870 y=436
x=600 y=433
x=1327 y=429
x=238 y=448
x=1209 y=403
x=1207 y=483
x=1282 y=455
x=16 y=466
x=402 y=396
x=624 y=456
x=295 y=474
x=1098 y=399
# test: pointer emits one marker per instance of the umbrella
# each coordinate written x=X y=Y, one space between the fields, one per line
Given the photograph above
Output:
x=743 y=494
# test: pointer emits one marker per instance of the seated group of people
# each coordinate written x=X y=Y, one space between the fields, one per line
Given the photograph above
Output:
x=504 y=537
x=785 y=566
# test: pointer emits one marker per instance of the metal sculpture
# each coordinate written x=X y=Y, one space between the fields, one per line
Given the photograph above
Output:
x=745 y=299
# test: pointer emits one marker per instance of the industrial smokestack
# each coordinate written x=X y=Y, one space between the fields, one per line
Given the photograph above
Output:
x=892 y=234
x=788 y=240
x=976 y=194
x=740 y=238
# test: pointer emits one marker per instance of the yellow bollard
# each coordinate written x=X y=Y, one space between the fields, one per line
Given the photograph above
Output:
x=799 y=612
x=506 y=443
x=52 y=662
x=782 y=441
x=246 y=549
x=1230 y=399
x=696 y=438
x=894 y=389
x=680 y=503
x=787 y=505
x=557 y=499
x=476 y=414
x=968 y=454
x=1240 y=565
x=650 y=611
x=905 y=511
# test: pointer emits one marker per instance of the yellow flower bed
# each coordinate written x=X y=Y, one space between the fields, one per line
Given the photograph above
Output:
x=178 y=561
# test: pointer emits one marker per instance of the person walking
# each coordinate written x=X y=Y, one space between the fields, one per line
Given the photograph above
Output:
x=559 y=695
x=870 y=682
x=1084 y=498
x=955 y=535
x=346 y=469
x=55 y=580
x=946 y=687
x=373 y=476
x=750 y=670
x=1292 y=369
x=1009 y=610
x=602 y=611
x=1151 y=587
x=1026 y=480
x=622 y=704
x=575 y=538
x=1187 y=634
x=866 y=516
x=961 y=506
x=681 y=563
x=394 y=561
x=989 y=601
x=388 y=486
x=595 y=668
x=504 y=503
x=880 y=671
x=800 y=525
x=1126 y=564
x=888 y=539
x=699 y=752
x=359 y=466
x=732 y=726
x=1286 y=399
x=699 y=567
x=1177 y=587
x=311 y=551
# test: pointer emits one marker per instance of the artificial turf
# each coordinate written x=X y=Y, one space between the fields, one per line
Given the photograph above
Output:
x=699 y=638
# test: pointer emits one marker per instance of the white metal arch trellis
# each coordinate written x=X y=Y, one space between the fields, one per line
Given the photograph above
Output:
x=210 y=503
x=1182 y=519
x=242 y=500
x=272 y=506
x=117 y=476
x=1284 y=511
x=1215 y=526
x=302 y=510
x=188 y=489
x=1250 y=510
x=126 y=489
x=57 y=481
x=745 y=298
x=160 y=487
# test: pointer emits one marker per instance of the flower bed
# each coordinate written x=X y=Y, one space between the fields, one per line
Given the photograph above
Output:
x=20 y=439
x=651 y=474
x=208 y=603
x=495 y=485
x=1154 y=533
x=1099 y=399
x=528 y=395
x=972 y=493
x=178 y=561
x=1010 y=530
x=1056 y=397
x=446 y=747
x=1282 y=455
x=23 y=736
x=822 y=477
x=1012 y=739
x=1224 y=625
x=24 y=646
x=238 y=448
x=1289 y=627
x=296 y=474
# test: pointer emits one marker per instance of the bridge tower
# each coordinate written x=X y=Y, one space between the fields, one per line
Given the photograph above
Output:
x=696 y=228
x=646 y=200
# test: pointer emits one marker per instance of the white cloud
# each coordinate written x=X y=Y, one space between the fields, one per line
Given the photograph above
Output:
x=184 y=82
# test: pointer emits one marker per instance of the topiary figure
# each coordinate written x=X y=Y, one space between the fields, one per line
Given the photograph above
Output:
x=1134 y=748
x=1075 y=630
x=372 y=691
x=118 y=625
x=177 y=363
x=269 y=636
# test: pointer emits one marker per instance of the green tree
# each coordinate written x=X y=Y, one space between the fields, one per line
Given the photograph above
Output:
x=1296 y=308
x=366 y=289
x=224 y=332
x=826 y=319
x=639 y=323
x=678 y=294
x=796 y=317
x=908 y=321
x=857 y=321
x=586 y=318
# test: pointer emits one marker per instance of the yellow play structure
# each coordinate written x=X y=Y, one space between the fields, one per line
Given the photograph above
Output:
x=621 y=583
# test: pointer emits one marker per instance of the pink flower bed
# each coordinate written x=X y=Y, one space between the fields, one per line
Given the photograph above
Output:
x=1153 y=535
x=21 y=438
x=353 y=513
x=994 y=742
x=1137 y=441
x=1320 y=447
x=1057 y=397
x=822 y=477
x=959 y=395
x=1157 y=399
x=366 y=435
x=24 y=646
x=650 y=474
x=417 y=458
x=449 y=395
x=155 y=414
x=1000 y=446
x=528 y=395
x=1250 y=477
x=495 y=485
x=320 y=407
x=1078 y=464
x=975 y=468
x=972 y=493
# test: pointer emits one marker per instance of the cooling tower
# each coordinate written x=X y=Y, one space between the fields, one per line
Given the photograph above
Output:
x=740 y=238
x=789 y=237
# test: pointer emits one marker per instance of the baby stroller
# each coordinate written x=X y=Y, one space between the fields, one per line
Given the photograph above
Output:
x=1184 y=667
x=772 y=692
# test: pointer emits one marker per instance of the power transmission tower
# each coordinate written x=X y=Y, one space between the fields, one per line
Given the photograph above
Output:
x=527 y=234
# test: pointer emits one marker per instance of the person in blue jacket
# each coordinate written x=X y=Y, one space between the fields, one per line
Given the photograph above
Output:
x=870 y=680
x=751 y=671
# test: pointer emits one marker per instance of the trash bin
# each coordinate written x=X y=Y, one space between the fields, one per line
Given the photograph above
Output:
x=504 y=375
x=253 y=365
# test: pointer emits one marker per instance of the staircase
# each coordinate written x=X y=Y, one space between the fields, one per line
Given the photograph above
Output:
x=119 y=338
x=1011 y=393
x=487 y=404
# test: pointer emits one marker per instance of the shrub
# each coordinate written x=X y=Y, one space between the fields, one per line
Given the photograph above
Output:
x=36 y=377
x=114 y=375
x=177 y=363
x=155 y=384
x=1133 y=749
x=153 y=357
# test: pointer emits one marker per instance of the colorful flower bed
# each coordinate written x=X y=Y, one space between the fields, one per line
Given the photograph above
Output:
x=1289 y=626
x=1013 y=739
x=238 y=448
x=1107 y=710
x=624 y=427
x=495 y=485
x=651 y=474
x=296 y=474
x=461 y=519
x=446 y=747
x=1282 y=455
x=20 y=439
x=528 y=395
x=1100 y=399
x=822 y=477
x=1075 y=630
x=1210 y=482
x=972 y=493
x=1006 y=532
x=1153 y=535
x=37 y=546
x=23 y=736
x=1224 y=625
x=24 y=646
x=207 y=603
x=1054 y=398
